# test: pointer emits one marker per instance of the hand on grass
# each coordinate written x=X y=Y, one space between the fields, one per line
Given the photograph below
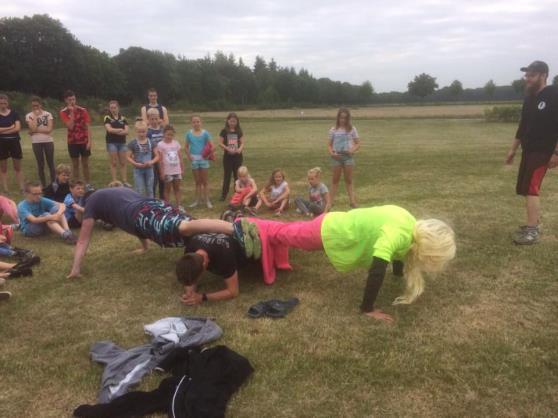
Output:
x=553 y=161
x=509 y=157
x=74 y=275
x=380 y=316
x=191 y=298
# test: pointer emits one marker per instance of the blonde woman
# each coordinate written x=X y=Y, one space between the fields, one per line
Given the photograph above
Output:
x=368 y=238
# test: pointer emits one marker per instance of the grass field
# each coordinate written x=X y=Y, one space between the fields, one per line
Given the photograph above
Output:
x=481 y=341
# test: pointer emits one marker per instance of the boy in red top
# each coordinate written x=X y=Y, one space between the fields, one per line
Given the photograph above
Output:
x=77 y=120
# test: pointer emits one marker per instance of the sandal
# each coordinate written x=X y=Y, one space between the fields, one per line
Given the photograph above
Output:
x=258 y=310
x=280 y=308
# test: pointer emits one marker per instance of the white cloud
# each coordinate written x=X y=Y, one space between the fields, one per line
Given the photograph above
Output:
x=355 y=40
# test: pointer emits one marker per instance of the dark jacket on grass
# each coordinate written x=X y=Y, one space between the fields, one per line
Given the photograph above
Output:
x=201 y=385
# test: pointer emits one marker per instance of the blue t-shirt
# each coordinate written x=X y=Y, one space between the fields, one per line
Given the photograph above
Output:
x=155 y=135
x=26 y=208
x=197 y=143
x=70 y=212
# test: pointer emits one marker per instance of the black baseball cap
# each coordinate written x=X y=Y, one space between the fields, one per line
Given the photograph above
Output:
x=536 y=67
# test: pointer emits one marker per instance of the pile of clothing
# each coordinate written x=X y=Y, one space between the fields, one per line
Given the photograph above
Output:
x=201 y=383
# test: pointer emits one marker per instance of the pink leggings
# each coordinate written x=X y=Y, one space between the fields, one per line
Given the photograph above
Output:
x=278 y=237
x=304 y=235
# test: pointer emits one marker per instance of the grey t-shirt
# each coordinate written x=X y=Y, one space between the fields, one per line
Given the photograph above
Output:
x=317 y=194
x=117 y=205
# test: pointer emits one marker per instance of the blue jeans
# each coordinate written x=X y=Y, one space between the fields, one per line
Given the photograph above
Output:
x=143 y=181
x=6 y=250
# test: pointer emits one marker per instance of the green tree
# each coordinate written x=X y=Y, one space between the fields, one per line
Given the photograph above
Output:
x=365 y=92
x=490 y=88
x=518 y=85
x=456 y=88
x=423 y=85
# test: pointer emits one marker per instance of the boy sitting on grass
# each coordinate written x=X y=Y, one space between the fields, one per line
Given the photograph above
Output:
x=37 y=214
x=58 y=190
x=74 y=203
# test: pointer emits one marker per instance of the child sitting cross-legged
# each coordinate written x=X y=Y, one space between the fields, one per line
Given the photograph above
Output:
x=245 y=191
x=75 y=204
x=38 y=214
x=275 y=195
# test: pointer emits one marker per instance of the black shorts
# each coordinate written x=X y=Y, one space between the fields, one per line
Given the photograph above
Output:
x=10 y=148
x=75 y=150
x=531 y=173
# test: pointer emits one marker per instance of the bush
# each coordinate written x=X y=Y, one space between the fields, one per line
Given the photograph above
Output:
x=503 y=114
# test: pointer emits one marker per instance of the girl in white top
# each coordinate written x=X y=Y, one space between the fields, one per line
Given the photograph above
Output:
x=41 y=124
x=343 y=143
x=275 y=195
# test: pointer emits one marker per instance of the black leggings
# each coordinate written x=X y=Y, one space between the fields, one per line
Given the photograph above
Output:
x=42 y=150
x=231 y=163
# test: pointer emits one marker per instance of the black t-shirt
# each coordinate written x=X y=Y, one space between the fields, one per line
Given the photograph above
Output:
x=538 y=129
x=231 y=139
x=57 y=191
x=225 y=254
x=116 y=123
x=118 y=206
x=9 y=120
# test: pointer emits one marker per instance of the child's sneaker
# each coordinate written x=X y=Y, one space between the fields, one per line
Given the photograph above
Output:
x=529 y=236
x=126 y=184
x=69 y=237
x=193 y=204
x=209 y=204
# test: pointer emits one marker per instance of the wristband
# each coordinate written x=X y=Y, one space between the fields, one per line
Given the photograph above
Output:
x=204 y=297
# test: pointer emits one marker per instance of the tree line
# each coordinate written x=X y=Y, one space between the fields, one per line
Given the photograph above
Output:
x=40 y=56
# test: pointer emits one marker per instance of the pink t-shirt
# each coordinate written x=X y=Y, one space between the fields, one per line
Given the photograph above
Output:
x=170 y=157
x=42 y=121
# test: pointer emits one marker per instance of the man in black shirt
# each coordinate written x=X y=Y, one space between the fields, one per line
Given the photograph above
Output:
x=537 y=134
x=218 y=253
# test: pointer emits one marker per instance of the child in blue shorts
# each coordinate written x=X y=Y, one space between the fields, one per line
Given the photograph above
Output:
x=38 y=214
x=198 y=140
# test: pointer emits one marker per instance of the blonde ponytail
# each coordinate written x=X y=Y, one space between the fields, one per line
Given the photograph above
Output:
x=433 y=247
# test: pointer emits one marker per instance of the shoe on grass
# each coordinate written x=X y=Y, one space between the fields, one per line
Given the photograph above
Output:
x=5 y=295
x=193 y=204
x=529 y=236
x=209 y=204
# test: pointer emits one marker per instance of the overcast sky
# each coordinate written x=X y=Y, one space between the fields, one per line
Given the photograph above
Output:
x=386 y=42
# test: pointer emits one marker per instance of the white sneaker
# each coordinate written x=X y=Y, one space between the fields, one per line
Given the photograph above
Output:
x=194 y=204
x=209 y=204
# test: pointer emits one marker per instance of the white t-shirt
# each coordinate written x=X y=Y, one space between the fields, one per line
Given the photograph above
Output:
x=277 y=191
x=41 y=120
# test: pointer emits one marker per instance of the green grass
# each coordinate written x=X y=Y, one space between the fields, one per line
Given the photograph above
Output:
x=481 y=341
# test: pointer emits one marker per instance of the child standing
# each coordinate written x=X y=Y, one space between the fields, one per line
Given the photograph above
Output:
x=60 y=187
x=37 y=214
x=318 y=194
x=245 y=190
x=41 y=124
x=78 y=121
x=116 y=126
x=155 y=135
x=142 y=156
x=198 y=139
x=231 y=140
x=342 y=144
x=275 y=195
x=75 y=204
x=171 y=166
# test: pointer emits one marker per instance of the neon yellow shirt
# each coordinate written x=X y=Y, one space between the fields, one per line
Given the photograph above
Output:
x=352 y=238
